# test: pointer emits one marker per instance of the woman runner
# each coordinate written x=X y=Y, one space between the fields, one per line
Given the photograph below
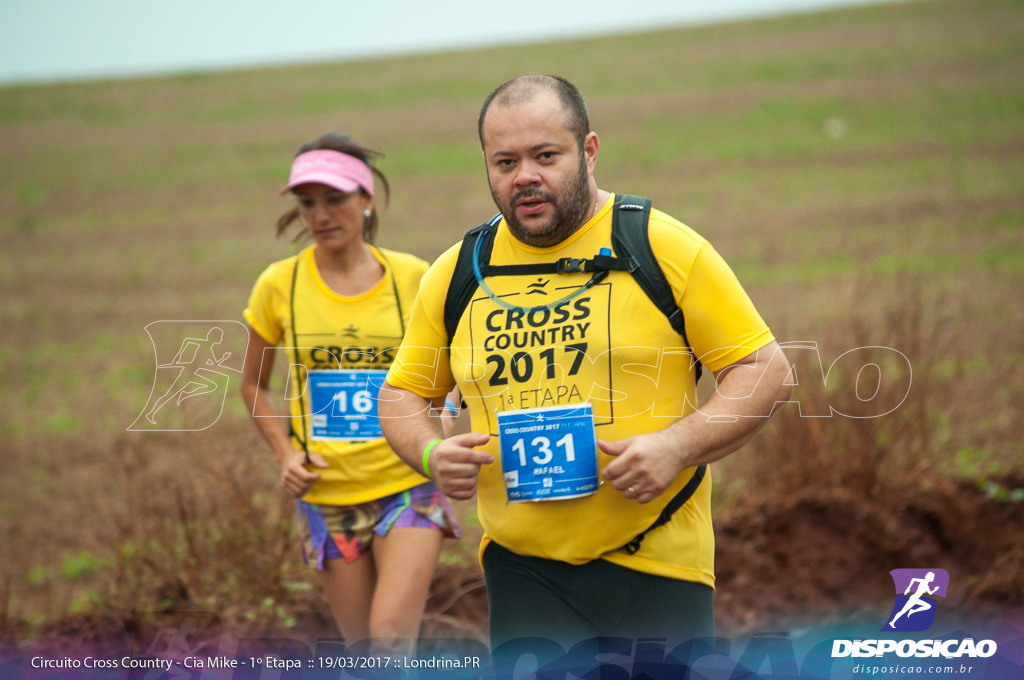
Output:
x=372 y=525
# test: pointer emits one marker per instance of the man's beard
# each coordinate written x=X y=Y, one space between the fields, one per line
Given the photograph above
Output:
x=570 y=213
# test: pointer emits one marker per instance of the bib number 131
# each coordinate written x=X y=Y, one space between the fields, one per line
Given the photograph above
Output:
x=548 y=453
x=544 y=453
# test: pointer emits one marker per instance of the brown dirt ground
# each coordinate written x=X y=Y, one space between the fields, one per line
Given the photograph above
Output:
x=827 y=552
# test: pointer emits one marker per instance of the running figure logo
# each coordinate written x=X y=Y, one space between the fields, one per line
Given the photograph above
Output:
x=200 y=368
x=915 y=609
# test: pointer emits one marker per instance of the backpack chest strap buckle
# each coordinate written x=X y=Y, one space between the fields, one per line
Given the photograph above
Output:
x=571 y=265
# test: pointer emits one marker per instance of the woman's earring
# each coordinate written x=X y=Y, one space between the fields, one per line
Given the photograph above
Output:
x=367 y=213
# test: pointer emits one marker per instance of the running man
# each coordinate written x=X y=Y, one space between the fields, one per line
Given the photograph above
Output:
x=916 y=603
x=593 y=353
x=190 y=372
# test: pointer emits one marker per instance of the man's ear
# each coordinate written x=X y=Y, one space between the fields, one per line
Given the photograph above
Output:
x=591 y=144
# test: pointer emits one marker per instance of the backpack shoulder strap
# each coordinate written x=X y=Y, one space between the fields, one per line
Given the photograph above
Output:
x=670 y=509
x=463 y=283
x=631 y=240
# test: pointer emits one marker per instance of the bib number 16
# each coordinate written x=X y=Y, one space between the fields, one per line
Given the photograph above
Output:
x=362 y=402
x=343 y=404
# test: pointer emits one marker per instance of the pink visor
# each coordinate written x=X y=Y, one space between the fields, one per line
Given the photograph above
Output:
x=333 y=168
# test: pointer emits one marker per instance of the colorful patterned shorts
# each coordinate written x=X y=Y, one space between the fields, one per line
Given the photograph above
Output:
x=332 y=531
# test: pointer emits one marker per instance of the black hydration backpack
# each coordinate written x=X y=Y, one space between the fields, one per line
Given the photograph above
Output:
x=633 y=254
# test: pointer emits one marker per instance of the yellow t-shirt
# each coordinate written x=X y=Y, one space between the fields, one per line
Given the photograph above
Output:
x=337 y=332
x=611 y=347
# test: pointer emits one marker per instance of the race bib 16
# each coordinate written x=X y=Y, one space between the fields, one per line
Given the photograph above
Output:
x=344 y=404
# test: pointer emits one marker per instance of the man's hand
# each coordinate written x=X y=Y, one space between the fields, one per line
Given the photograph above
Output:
x=454 y=464
x=746 y=392
x=645 y=465
x=295 y=478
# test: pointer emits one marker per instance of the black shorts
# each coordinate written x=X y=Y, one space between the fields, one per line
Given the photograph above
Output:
x=539 y=598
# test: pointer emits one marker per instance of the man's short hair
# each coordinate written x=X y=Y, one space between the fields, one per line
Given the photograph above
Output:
x=524 y=88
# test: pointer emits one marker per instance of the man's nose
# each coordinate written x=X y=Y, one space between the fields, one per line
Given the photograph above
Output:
x=528 y=175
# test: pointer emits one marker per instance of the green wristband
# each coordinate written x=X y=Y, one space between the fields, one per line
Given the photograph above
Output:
x=426 y=458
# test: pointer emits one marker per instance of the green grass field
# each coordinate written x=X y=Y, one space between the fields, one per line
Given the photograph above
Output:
x=861 y=169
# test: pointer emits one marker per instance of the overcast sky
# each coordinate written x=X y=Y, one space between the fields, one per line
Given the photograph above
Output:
x=45 y=40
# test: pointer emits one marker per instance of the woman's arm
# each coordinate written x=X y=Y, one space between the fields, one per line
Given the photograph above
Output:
x=259 y=364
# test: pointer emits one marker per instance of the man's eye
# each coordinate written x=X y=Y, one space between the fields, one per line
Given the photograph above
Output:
x=547 y=155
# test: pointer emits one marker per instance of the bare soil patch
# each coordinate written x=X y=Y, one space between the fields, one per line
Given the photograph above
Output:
x=827 y=552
